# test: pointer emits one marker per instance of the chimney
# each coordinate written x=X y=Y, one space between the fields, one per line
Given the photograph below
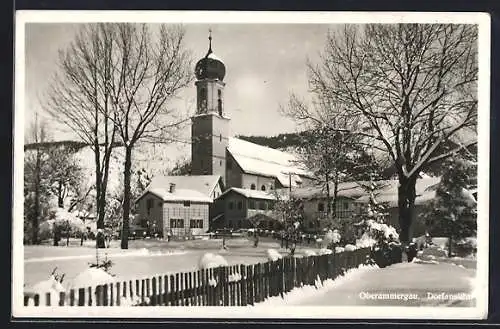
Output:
x=172 y=188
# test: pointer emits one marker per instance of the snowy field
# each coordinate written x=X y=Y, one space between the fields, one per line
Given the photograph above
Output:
x=144 y=257
x=431 y=272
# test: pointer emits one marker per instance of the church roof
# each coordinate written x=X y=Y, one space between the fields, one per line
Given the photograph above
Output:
x=194 y=188
x=261 y=160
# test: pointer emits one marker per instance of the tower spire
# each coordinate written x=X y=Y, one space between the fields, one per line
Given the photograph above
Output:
x=209 y=40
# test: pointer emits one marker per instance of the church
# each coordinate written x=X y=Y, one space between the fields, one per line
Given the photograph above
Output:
x=232 y=181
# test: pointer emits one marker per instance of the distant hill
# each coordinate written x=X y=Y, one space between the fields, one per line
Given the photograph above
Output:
x=281 y=141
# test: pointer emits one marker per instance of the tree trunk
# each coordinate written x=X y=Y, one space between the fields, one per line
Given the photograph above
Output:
x=60 y=200
x=449 y=245
x=36 y=213
x=126 y=196
x=406 y=207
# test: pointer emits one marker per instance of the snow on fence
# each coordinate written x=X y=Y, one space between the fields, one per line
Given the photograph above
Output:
x=236 y=285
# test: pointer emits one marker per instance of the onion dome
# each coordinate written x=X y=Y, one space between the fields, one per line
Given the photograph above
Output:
x=210 y=66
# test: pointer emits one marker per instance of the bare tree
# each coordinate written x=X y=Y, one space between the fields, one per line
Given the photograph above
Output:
x=411 y=88
x=36 y=187
x=328 y=148
x=80 y=98
x=150 y=69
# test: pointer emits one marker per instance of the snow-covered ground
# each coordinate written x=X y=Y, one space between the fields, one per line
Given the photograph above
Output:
x=144 y=258
x=405 y=284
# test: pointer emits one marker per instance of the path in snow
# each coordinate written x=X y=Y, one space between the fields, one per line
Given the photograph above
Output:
x=404 y=278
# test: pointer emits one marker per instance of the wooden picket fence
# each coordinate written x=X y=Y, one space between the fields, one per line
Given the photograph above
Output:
x=236 y=285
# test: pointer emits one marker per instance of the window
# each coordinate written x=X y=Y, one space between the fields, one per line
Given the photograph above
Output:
x=263 y=187
x=219 y=101
x=240 y=205
x=252 y=187
x=203 y=98
x=346 y=206
x=262 y=205
x=176 y=223
x=251 y=204
x=270 y=205
x=230 y=205
x=196 y=223
x=187 y=203
x=271 y=187
x=149 y=205
x=321 y=206
x=220 y=138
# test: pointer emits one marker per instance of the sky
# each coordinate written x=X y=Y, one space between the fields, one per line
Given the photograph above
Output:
x=264 y=64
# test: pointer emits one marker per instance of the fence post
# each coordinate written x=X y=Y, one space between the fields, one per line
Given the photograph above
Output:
x=209 y=288
x=283 y=278
x=111 y=295
x=190 y=286
x=177 y=289
x=159 y=291
x=172 y=292
x=154 y=292
x=199 y=288
x=90 y=296
x=36 y=300
x=243 y=285
x=225 y=286
x=118 y=294
x=62 y=297
x=99 y=295
x=258 y=281
x=219 y=288
x=164 y=291
x=251 y=284
x=81 y=297
x=47 y=299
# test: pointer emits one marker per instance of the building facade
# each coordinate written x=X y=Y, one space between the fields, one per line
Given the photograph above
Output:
x=178 y=205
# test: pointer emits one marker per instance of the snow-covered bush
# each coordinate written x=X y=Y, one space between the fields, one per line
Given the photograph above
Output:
x=339 y=249
x=308 y=253
x=324 y=251
x=383 y=240
x=91 y=277
x=273 y=255
x=332 y=238
x=52 y=286
x=349 y=247
x=210 y=260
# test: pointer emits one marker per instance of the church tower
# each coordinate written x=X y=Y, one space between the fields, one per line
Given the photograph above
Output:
x=210 y=127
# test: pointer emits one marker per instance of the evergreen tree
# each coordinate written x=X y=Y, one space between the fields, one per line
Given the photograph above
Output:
x=453 y=212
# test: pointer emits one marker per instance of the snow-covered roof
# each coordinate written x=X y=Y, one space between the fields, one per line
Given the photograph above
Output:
x=251 y=194
x=265 y=161
x=204 y=184
x=187 y=188
x=388 y=193
x=179 y=195
x=346 y=189
x=213 y=56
